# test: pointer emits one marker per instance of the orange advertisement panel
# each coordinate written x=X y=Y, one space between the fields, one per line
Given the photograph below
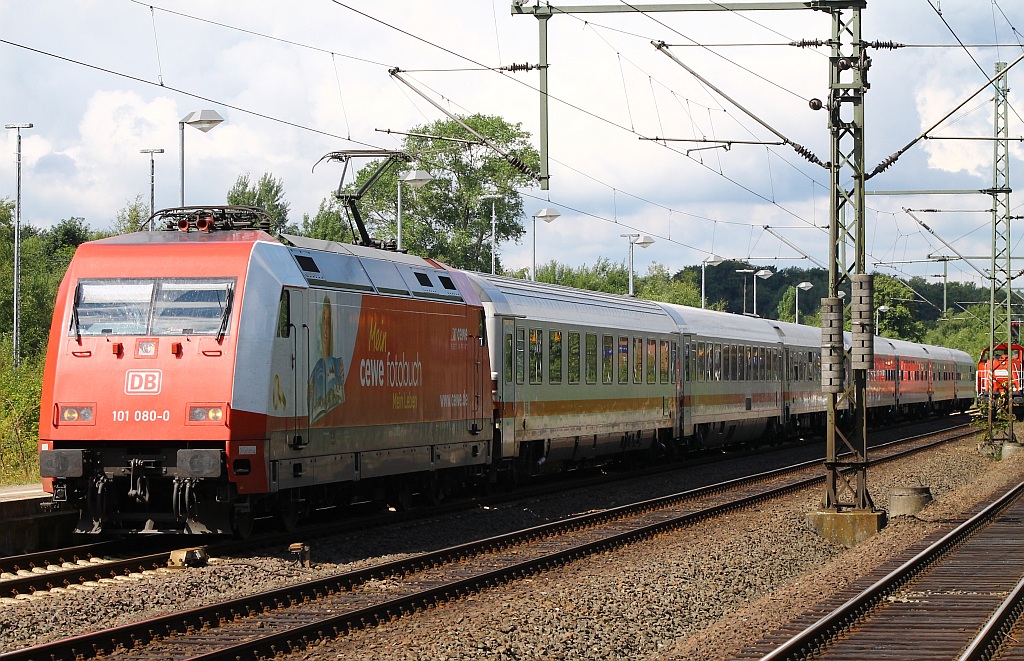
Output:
x=379 y=360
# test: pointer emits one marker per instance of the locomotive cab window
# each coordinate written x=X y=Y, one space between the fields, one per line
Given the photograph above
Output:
x=152 y=306
x=284 y=314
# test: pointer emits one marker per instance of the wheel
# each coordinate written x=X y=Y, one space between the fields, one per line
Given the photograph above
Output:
x=242 y=521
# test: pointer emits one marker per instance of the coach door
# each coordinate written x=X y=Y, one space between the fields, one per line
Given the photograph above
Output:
x=287 y=391
x=513 y=357
x=685 y=417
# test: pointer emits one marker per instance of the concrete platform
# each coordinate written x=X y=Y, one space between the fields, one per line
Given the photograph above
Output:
x=26 y=526
x=847 y=528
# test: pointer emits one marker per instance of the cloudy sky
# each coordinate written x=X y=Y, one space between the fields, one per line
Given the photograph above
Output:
x=102 y=79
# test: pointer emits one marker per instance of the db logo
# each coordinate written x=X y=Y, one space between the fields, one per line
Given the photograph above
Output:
x=142 y=382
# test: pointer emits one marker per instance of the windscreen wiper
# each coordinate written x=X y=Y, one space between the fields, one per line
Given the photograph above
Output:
x=227 y=313
x=74 y=314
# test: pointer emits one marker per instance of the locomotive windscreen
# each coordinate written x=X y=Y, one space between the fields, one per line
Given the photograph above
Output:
x=152 y=306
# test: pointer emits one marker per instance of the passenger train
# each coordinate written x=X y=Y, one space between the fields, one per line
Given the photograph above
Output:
x=200 y=377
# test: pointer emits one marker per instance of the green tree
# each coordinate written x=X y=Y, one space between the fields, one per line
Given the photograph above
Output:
x=900 y=321
x=604 y=275
x=131 y=217
x=267 y=194
x=329 y=223
x=659 y=285
x=449 y=219
x=20 y=391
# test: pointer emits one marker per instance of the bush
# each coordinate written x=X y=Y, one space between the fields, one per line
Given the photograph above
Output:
x=20 y=390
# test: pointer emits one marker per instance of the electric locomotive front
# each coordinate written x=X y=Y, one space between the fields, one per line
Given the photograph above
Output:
x=136 y=423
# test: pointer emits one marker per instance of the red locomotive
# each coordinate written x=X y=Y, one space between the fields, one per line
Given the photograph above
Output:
x=1000 y=374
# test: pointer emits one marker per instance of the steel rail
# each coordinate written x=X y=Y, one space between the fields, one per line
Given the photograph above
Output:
x=988 y=641
x=819 y=635
x=213 y=616
x=28 y=561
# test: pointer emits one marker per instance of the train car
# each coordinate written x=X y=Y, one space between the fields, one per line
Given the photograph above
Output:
x=1000 y=374
x=202 y=377
x=197 y=378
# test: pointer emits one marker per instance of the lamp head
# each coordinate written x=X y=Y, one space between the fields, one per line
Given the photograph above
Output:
x=804 y=286
x=713 y=260
x=547 y=214
x=204 y=120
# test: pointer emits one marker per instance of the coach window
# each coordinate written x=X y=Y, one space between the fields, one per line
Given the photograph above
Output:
x=751 y=374
x=509 y=351
x=638 y=359
x=652 y=361
x=520 y=355
x=673 y=361
x=536 y=354
x=607 y=359
x=691 y=374
x=284 y=315
x=574 y=357
x=591 y=358
x=717 y=373
x=664 y=361
x=555 y=356
x=762 y=373
x=623 y=359
x=699 y=372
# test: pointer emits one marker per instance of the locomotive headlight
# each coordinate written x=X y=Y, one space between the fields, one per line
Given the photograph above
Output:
x=205 y=413
x=147 y=348
x=76 y=413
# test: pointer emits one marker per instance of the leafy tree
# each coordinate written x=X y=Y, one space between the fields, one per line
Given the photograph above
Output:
x=659 y=285
x=62 y=239
x=602 y=276
x=131 y=217
x=900 y=321
x=267 y=194
x=329 y=223
x=20 y=391
x=449 y=219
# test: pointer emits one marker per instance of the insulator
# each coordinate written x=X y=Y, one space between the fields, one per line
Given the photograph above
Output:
x=526 y=66
x=807 y=43
x=832 y=345
x=807 y=153
x=886 y=45
x=519 y=165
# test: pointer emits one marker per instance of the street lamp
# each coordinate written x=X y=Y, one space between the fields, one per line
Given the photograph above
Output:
x=416 y=179
x=764 y=274
x=204 y=120
x=493 y=197
x=17 y=249
x=802 y=286
x=710 y=260
x=879 y=309
x=744 y=287
x=641 y=240
x=547 y=215
x=152 y=182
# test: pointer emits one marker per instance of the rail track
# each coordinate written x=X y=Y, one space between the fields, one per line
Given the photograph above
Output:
x=280 y=620
x=101 y=562
x=960 y=598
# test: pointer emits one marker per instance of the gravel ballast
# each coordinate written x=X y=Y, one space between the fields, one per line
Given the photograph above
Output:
x=704 y=592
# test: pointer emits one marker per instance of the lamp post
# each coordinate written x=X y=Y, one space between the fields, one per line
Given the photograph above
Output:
x=152 y=182
x=878 y=310
x=641 y=240
x=802 y=286
x=493 y=197
x=547 y=215
x=416 y=179
x=764 y=274
x=17 y=249
x=712 y=260
x=744 y=287
x=204 y=120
